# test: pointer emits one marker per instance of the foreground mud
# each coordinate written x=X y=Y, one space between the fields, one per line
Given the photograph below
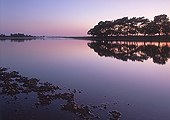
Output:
x=13 y=84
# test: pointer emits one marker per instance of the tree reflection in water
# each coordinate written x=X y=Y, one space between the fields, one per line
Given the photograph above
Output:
x=135 y=51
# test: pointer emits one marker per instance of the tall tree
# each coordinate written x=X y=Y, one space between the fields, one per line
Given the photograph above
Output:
x=142 y=23
x=151 y=28
x=163 y=22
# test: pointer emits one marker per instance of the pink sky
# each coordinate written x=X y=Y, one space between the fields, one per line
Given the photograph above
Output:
x=71 y=18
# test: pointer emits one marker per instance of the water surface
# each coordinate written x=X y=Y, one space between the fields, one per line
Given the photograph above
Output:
x=138 y=85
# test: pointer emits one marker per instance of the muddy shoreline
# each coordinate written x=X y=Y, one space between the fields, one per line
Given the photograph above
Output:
x=13 y=84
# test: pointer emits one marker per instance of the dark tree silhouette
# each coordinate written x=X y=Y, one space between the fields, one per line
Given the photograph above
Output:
x=2 y=35
x=15 y=35
x=164 y=24
x=151 y=28
x=143 y=22
x=19 y=35
x=132 y=26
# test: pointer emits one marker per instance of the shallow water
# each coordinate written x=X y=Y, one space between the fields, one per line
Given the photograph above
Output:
x=139 y=90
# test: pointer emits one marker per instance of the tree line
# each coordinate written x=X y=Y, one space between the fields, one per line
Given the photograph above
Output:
x=132 y=26
x=15 y=35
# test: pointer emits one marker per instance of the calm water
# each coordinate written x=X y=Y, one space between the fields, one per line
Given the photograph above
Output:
x=103 y=72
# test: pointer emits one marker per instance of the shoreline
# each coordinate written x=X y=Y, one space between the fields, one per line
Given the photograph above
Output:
x=162 y=38
x=21 y=38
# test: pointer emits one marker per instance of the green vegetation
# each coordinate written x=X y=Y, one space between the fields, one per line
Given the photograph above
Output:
x=132 y=27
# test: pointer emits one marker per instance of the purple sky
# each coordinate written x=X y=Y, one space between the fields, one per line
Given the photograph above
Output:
x=71 y=17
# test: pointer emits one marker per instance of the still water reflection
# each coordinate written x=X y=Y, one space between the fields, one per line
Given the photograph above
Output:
x=139 y=90
x=135 y=51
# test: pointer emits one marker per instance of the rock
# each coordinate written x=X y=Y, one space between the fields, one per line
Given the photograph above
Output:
x=114 y=115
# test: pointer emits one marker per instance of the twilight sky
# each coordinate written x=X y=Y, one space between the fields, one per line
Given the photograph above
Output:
x=71 y=17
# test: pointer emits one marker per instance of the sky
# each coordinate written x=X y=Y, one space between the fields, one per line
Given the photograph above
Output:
x=71 y=17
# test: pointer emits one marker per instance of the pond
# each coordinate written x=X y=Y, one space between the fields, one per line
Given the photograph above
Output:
x=129 y=77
